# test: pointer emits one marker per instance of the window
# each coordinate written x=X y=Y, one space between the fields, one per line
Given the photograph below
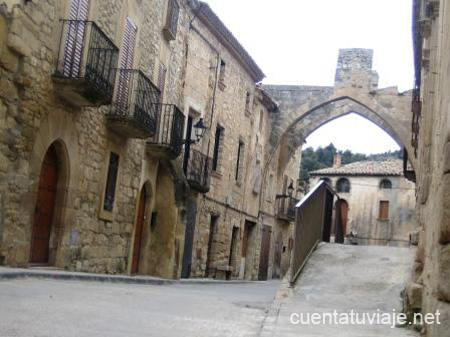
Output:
x=110 y=191
x=269 y=192
x=384 y=210
x=343 y=185
x=327 y=180
x=170 y=28
x=247 y=102
x=162 y=79
x=217 y=148
x=385 y=184
x=261 y=120
x=222 y=74
x=240 y=162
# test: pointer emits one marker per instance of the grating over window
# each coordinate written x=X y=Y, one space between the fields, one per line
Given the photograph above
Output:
x=384 y=210
x=111 y=181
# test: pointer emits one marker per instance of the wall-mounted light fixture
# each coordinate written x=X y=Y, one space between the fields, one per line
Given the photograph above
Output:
x=199 y=129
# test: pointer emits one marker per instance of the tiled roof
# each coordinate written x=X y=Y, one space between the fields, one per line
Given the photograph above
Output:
x=390 y=167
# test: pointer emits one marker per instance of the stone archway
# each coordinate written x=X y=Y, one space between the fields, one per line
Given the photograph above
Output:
x=303 y=109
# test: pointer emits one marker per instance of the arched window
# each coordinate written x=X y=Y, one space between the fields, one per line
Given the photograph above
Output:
x=385 y=184
x=343 y=185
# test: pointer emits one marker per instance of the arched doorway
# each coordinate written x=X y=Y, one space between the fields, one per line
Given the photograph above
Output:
x=277 y=256
x=45 y=208
x=141 y=216
x=341 y=220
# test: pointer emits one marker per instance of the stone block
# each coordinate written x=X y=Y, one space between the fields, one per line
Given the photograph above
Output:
x=447 y=158
x=414 y=291
x=443 y=284
x=445 y=222
x=443 y=328
x=18 y=45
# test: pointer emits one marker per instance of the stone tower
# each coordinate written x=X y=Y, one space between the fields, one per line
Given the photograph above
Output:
x=354 y=68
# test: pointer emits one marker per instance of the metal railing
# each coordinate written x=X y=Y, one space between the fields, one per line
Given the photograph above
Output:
x=168 y=140
x=86 y=52
x=312 y=225
x=199 y=171
x=136 y=100
x=286 y=208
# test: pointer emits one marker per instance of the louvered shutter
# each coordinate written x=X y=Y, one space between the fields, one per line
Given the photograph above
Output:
x=126 y=64
x=76 y=26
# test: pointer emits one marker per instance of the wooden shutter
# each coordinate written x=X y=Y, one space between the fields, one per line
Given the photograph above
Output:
x=76 y=26
x=126 y=64
x=384 y=210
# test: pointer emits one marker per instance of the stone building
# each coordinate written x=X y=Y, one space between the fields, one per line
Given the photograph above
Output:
x=133 y=139
x=227 y=224
x=429 y=290
x=377 y=203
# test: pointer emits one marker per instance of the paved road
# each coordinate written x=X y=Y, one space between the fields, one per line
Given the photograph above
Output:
x=342 y=278
x=35 y=307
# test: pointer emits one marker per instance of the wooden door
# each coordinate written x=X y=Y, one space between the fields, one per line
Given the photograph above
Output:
x=76 y=26
x=341 y=220
x=277 y=256
x=45 y=206
x=138 y=232
x=265 y=250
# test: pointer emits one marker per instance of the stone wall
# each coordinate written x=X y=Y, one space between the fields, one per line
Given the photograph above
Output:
x=429 y=289
x=231 y=202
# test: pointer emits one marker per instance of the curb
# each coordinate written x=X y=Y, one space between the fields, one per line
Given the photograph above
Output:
x=11 y=275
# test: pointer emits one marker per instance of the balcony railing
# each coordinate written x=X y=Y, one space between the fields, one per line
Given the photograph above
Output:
x=168 y=140
x=199 y=171
x=134 y=112
x=87 y=58
x=286 y=208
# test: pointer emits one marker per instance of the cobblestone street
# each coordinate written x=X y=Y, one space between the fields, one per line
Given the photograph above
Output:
x=34 y=307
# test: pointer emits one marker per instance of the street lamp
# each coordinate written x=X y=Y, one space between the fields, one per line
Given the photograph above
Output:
x=199 y=129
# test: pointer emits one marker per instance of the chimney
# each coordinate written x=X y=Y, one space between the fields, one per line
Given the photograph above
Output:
x=337 y=160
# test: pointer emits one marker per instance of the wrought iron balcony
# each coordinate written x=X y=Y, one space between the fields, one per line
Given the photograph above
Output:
x=286 y=208
x=168 y=140
x=134 y=112
x=85 y=69
x=198 y=172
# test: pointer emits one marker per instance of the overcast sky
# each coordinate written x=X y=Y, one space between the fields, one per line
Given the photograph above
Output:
x=297 y=42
